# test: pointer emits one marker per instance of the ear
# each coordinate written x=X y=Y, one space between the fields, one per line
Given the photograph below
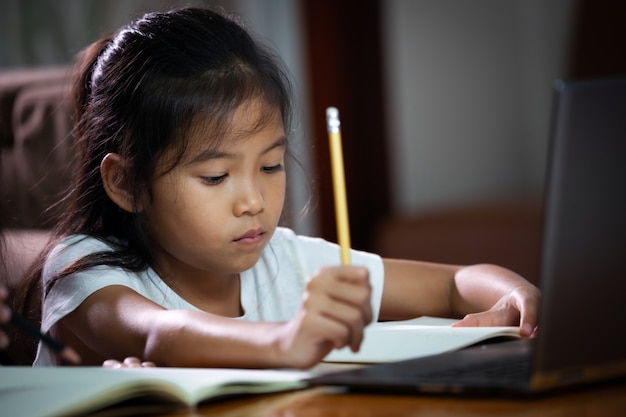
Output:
x=113 y=170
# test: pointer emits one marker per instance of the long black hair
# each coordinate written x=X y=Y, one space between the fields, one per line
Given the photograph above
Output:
x=137 y=94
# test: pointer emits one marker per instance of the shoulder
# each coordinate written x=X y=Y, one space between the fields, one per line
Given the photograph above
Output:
x=77 y=246
x=80 y=245
x=71 y=249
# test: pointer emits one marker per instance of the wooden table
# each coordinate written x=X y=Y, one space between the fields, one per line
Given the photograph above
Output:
x=597 y=401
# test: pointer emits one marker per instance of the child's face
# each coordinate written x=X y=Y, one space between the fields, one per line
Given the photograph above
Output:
x=217 y=213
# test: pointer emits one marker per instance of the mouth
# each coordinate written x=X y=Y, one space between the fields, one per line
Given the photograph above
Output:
x=251 y=237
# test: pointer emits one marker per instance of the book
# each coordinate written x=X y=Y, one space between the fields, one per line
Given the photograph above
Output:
x=73 y=391
x=398 y=340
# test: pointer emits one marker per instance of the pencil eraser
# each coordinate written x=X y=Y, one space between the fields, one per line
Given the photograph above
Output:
x=332 y=119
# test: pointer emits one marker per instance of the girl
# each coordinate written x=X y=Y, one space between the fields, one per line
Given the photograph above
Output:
x=171 y=250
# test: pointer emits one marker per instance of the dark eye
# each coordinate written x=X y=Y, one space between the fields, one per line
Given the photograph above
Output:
x=213 y=180
x=273 y=168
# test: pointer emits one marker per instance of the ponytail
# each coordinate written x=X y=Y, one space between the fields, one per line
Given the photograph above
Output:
x=83 y=74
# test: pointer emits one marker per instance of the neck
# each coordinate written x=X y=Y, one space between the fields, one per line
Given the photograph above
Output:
x=218 y=294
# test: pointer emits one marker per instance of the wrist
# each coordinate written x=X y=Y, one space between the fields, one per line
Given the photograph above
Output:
x=290 y=350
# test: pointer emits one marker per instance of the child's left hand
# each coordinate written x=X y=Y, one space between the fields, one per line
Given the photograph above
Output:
x=519 y=306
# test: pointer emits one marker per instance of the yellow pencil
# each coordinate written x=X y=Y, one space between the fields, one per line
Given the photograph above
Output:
x=339 y=183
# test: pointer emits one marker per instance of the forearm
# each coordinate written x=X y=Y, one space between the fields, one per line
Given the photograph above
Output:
x=483 y=295
x=190 y=338
x=116 y=322
x=415 y=288
x=478 y=287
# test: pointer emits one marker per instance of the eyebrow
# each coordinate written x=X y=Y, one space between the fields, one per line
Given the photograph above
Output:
x=209 y=154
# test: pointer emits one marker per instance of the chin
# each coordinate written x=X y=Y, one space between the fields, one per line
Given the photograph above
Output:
x=246 y=263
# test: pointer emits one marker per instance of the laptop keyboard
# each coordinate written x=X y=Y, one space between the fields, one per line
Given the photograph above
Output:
x=512 y=369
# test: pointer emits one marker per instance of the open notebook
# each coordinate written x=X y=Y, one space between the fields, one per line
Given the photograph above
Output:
x=583 y=280
x=423 y=336
x=74 y=391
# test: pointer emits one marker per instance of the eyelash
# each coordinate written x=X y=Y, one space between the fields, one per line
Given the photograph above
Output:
x=219 y=179
x=273 y=168
x=213 y=180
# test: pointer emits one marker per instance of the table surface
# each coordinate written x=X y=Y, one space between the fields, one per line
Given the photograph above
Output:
x=597 y=401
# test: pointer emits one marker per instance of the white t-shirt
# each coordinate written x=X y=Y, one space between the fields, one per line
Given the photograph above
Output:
x=270 y=291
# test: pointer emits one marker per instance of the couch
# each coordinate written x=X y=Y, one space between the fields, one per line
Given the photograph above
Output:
x=35 y=166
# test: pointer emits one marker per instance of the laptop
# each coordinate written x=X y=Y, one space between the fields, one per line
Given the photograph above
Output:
x=582 y=278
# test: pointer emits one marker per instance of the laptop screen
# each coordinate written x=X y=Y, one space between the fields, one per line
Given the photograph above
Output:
x=583 y=280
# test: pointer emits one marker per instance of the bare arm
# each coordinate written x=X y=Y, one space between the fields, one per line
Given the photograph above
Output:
x=485 y=295
x=414 y=288
x=116 y=322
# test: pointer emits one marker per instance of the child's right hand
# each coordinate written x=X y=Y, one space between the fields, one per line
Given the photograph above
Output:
x=128 y=362
x=335 y=309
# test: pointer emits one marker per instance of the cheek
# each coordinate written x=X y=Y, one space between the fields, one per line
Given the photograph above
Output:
x=277 y=192
x=193 y=207
x=169 y=208
x=185 y=222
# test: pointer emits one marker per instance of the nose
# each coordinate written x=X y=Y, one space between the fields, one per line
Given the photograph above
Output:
x=249 y=199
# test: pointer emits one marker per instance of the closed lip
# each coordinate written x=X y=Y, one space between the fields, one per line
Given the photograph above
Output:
x=251 y=235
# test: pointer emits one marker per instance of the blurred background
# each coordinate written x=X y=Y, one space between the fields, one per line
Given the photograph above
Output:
x=444 y=104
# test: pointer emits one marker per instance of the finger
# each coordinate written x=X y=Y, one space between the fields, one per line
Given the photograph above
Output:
x=330 y=330
x=352 y=311
x=499 y=317
x=358 y=298
x=352 y=319
x=330 y=320
x=346 y=284
x=467 y=321
x=132 y=362
x=528 y=318
x=357 y=275
x=111 y=363
x=528 y=325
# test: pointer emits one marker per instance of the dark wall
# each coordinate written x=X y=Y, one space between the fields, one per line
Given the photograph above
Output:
x=345 y=66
